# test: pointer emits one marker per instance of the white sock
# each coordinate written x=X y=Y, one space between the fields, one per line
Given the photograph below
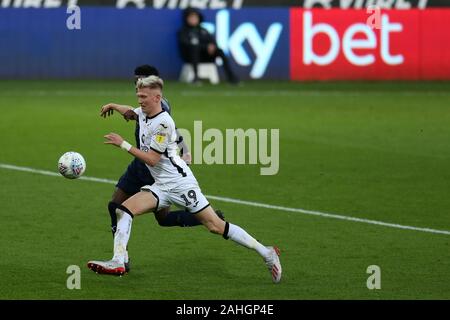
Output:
x=239 y=235
x=122 y=235
x=126 y=257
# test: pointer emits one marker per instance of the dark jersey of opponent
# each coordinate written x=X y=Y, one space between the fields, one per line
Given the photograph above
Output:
x=137 y=174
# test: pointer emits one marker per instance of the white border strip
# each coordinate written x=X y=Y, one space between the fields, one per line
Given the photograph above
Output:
x=248 y=203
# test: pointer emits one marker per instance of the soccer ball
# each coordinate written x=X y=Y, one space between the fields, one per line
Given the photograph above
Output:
x=71 y=165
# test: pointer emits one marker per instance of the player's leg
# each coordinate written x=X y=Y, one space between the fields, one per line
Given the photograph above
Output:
x=231 y=231
x=138 y=204
x=129 y=184
x=191 y=197
x=142 y=202
x=118 y=197
x=180 y=218
x=141 y=175
x=228 y=230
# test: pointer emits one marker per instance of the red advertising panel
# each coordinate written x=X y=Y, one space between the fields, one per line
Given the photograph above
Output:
x=356 y=44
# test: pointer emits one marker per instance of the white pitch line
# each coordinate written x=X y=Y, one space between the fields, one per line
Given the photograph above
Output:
x=247 y=203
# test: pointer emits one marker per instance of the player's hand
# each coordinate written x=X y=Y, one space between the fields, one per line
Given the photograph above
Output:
x=114 y=139
x=187 y=158
x=107 y=110
x=130 y=115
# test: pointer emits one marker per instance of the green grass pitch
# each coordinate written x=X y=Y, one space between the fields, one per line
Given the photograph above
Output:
x=376 y=151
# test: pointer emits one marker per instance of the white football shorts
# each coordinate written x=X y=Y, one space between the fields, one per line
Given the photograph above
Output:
x=189 y=197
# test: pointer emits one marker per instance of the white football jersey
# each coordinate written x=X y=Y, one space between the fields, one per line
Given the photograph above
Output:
x=158 y=133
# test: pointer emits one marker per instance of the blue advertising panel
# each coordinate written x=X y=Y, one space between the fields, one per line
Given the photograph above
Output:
x=109 y=43
x=257 y=40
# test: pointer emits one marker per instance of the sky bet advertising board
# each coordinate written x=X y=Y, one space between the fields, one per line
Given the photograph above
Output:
x=287 y=43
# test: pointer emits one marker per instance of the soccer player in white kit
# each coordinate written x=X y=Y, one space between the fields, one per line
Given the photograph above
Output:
x=174 y=183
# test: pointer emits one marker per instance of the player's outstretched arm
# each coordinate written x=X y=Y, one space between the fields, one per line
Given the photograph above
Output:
x=151 y=157
x=108 y=109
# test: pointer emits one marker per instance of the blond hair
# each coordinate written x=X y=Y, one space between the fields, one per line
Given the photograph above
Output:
x=151 y=82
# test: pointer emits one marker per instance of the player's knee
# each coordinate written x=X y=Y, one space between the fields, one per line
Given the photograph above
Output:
x=121 y=210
